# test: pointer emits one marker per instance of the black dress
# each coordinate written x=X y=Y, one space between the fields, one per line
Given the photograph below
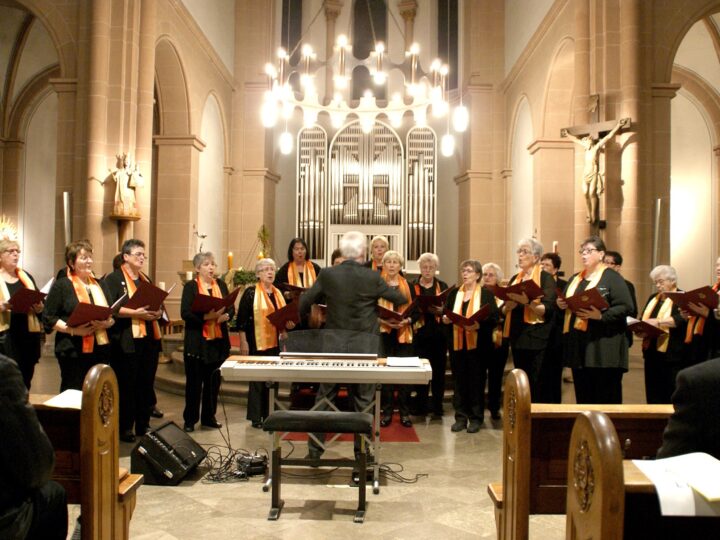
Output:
x=203 y=359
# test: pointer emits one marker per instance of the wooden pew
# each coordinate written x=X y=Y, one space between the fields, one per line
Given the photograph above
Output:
x=86 y=457
x=535 y=447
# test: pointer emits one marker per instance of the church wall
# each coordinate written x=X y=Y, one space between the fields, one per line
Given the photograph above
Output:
x=522 y=19
x=217 y=24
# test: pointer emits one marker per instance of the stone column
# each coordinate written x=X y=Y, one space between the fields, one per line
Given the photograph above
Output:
x=145 y=96
x=581 y=115
x=12 y=164
x=332 y=11
x=408 y=10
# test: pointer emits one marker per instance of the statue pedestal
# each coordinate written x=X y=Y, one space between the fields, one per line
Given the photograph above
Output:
x=125 y=228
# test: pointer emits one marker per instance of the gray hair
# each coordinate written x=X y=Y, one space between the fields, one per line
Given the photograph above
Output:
x=664 y=271
x=535 y=246
x=201 y=257
x=475 y=265
x=429 y=257
x=393 y=255
x=262 y=263
x=498 y=270
x=353 y=245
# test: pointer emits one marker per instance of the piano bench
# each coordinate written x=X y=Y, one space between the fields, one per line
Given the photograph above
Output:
x=358 y=424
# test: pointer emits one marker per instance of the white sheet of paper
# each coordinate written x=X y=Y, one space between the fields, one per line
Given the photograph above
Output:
x=46 y=288
x=674 y=479
x=406 y=361
x=69 y=399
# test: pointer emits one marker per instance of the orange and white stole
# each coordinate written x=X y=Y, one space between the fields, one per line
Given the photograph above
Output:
x=375 y=266
x=580 y=324
x=664 y=313
x=529 y=316
x=211 y=328
x=82 y=292
x=458 y=331
x=497 y=333
x=696 y=323
x=405 y=334
x=33 y=321
x=266 y=335
x=418 y=292
x=139 y=329
x=309 y=276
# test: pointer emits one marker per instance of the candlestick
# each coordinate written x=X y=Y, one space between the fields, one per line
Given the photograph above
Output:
x=189 y=276
x=230 y=260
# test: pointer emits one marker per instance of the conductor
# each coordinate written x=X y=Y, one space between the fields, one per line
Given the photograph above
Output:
x=351 y=292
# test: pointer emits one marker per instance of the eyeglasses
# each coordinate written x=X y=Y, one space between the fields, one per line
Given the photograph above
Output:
x=587 y=251
x=523 y=251
x=467 y=271
x=12 y=250
x=139 y=255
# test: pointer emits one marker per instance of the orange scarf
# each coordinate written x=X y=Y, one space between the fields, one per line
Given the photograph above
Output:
x=418 y=292
x=497 y=334
x=266 y=335
x=458 y=331
x=82 y=292
x=664 y=313
x=580 y=324
x=405 y=334
x=529 y=316
x=211 y=328
x=139 y=329
x=696 y=323
x=309 y=276
x=375 y=267
x=33 y=321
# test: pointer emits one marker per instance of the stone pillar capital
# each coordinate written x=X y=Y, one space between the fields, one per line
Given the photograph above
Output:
x=550 y=144
x=62 y=86
x=665 y=90
x=716 y=150
x=229 y=170
x=333 y=9
x=180 y=140
x=408 y=9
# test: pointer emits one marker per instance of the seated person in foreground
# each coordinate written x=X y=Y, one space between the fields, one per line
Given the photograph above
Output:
x=694 y=425
x=31 y=505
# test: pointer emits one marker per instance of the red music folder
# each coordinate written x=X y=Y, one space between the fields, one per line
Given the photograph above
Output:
x=704 y=295
x=205 y=303
x=643 y=329
x=85 y=313
x=529 y=287
x=477 y=317
x=288 y=313
x=425 y=302
x=585 y=300
x=149 y=295
x=24 y=299
x=389 y=314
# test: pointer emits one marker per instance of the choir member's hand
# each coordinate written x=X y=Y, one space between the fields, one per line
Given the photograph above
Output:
x=509 y=305
x=653 y=322
x=591 y=313
x=519 y=298
x=436 y=310
x=37 y=308
x=685 y=314
x=107 y=323
x=445 y=319
x=475 y=326
x=289 y=325
x=223 y=317
x=561 y=303
x=244 y=347
x=83 y=330
x=214 y=314
x=143 y=313
x=699 y=309
x=5 y=306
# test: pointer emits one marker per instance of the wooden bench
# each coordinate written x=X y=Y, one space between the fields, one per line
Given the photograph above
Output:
x=535 y=442
x=86 y=457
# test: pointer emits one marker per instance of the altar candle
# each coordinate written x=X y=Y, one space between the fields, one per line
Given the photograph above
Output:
x=188 y=276
x=555 y=246
x=230 y=260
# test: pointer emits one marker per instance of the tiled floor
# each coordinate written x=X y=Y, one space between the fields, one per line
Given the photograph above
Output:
x=448 y=500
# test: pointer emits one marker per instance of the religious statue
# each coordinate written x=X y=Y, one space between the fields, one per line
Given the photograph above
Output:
x=127 y=179
x=593 y=179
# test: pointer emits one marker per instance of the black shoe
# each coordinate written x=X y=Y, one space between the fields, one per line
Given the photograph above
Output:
x=405 y=421
x=257 y=424
x=127 y=436
x=386 y=420
x=474 y=427
x=141 y=432
x=459 y=425
x=156 y=413
x=189 y=428
x=495 y=415
x=212 y=423
x=313 y=455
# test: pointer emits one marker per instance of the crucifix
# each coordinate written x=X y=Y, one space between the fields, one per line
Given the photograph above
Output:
x=593 y=137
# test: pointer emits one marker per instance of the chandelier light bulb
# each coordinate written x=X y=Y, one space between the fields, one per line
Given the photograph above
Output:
x=420 y=117
x=415 y=48
x=461 y=118
x=286 y=143
x=270 y=70
x=281 y=53
x=366 y=123
x=447 y=145
x=336 y=119
x=307 y=50
x=439 y=108
x=268 y=111
x=379 y=47
x=379 y=77
x=342 y=41
x=341 y=82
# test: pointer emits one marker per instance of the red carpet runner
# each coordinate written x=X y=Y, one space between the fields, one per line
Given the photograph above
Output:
x=395 y=432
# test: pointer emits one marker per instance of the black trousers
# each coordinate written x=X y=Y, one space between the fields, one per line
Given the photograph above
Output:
x=660 y=377
x=551 y=374
x=74 y=369
x=136 y=377
x=432 y=346
x=202 y=384
x=391 y=347
x=469 y=371
x=258 y=398
x=598 y=385
x=50 y=515
x=496 y=368
x=530 y=361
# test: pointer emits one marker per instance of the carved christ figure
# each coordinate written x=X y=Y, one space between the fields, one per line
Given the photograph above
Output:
x=593 y=179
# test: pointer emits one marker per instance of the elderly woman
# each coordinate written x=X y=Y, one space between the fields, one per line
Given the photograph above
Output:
x=378 y=246
x=397 y=338
x=135 y=341
x=703 y=328
x=258 y=336
x=20 y=333
x=207 y=344
x=664 y=355
x=528 y=323
x=299 y=270
x=472 y=347
x=77 y=348
x=430 y=336
x=492 y=275
x=594 y=343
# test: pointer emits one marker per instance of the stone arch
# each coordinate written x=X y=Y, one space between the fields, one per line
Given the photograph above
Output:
x=224 y=121
x=34 y=92
x=171 y=89
x=520 y=162
x=559 y=88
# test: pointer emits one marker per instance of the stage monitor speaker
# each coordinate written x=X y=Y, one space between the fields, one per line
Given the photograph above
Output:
x=165 y=455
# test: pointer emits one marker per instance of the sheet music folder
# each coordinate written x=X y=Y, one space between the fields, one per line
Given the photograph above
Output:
x=288 y=313
x=477 y=317
x=529 y=287
x=585 y=300
x=704 y=295
x=391 y=315
x=24 y=299
x=149 y=295
x=427 y=301
x=641 y=328
x=205 y=303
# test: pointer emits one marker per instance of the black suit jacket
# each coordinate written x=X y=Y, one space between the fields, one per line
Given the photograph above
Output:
x=351 y=292
x=694 y=425
x=534 y=336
